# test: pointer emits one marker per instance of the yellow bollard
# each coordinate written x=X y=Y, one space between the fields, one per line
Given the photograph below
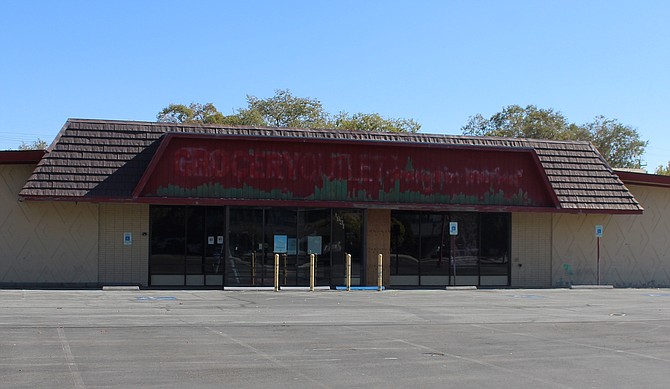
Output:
x=276 y=272
x=348 y=273
x=380 y=273
x=311 y=272
x=253 y=268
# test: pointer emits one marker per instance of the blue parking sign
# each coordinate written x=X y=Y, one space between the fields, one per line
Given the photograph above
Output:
x=453 y=228
x=599 y=231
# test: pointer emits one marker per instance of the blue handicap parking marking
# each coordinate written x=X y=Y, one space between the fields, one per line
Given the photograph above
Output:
x=160 y=298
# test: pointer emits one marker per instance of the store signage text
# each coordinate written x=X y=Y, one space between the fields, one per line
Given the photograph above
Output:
x=311 y=170
x=254 y=164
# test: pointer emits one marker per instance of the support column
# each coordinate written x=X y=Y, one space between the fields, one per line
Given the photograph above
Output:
x=378 y=241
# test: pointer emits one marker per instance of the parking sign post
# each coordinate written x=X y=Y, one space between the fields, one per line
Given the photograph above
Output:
x=599 y=234
x=453 y=231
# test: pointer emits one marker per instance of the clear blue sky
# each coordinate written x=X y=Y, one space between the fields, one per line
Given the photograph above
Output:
x=438 y=62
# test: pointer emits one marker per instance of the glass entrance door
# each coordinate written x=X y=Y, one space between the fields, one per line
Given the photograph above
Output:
x=245 y=264
x=314 y=238
x=346 y=238
x=283 y=222
x=252 y=233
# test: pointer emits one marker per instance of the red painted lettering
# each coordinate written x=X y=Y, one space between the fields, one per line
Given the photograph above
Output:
x=182 y=162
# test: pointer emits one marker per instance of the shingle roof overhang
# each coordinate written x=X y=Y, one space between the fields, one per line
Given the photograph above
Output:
x=105 y=161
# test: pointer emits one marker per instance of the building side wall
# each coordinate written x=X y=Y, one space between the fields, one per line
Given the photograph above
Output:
x=46 y=243
x=378 y=241
x=121 y=263
x=634 y=249
x=531 y=250
x=575 y=249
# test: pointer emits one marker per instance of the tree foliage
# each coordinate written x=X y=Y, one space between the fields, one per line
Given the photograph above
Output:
x=39 y=144
x=619 y=144
x=663 y=170
x=517 y=122
x=193 y=113
x=374 y=122
x=285 y=110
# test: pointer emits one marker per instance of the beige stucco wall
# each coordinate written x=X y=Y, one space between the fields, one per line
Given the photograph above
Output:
x=634 y=249
x=124 y=264
x=531 y=250
x=45 y=242
x=67 y=243
x=575 y=249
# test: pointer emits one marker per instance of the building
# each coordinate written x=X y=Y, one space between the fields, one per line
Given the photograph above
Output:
x=174 y=205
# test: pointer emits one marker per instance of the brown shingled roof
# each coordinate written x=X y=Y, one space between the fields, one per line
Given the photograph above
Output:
x=101 y=160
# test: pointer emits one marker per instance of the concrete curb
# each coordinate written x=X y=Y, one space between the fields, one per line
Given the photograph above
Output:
x=271 y=288
x=591 y=286
x=121 y=288
x=461 y=288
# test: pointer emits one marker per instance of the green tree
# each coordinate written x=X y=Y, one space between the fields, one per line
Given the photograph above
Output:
x=619 y=144
x=530 y=122
x=193 y=113
x=663 y=170
x=39 y=144
x=374 y=122
x=284 y=110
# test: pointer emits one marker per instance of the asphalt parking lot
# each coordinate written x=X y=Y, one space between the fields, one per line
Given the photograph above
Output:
x=558 y=338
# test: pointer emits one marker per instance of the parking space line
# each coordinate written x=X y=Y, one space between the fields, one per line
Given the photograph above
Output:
x=69 y=358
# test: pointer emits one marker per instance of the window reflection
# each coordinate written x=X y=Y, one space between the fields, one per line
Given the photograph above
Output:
x=217 y=246
x=479 y=256
x=168 y=240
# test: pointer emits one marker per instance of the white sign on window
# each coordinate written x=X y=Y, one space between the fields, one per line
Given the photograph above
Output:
x=314 y=245
x=280 y=244
x=453 y=228
x=292 y=246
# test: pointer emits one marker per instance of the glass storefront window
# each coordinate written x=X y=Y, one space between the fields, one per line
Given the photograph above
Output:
x=466 y=250
x=479 y=256
x=435 y=245
x=494 y=257
x=197 y=246
x=186 y=245
x=168 y=240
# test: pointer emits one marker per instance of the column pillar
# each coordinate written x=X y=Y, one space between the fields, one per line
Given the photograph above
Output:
x=378 y=241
